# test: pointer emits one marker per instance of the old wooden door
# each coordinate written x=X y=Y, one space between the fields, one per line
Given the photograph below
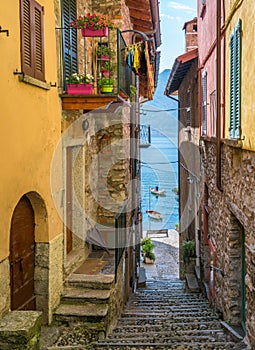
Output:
x=22 y=256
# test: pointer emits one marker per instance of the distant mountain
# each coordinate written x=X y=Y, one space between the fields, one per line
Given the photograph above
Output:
x=162 y=112
x=160 y=100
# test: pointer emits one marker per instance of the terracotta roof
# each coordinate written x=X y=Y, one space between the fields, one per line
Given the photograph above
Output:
x=180 y=68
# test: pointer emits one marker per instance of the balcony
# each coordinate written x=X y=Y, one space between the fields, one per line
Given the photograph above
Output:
x=81 y=56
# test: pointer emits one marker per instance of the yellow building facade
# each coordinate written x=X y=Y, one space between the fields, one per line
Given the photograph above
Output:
x=242 y=13
x=30 y=130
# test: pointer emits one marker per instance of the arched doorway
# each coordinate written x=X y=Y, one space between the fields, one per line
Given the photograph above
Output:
x=22 y=256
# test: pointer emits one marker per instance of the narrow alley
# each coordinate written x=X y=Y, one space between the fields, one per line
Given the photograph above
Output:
x=161 y=315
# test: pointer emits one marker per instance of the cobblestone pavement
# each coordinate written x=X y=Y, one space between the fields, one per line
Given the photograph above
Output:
x=167 y=257
x=163 y=315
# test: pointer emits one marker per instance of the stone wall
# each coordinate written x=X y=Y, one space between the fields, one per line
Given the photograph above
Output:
x=48 y=276
x=5 y=287
x=231 y=220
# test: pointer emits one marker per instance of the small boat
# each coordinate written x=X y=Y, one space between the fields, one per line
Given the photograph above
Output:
x=157 y=192
x=154 y=214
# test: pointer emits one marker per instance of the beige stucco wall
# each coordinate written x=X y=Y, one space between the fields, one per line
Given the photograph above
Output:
x=246 y=13
x=30 y=130
x=30 y=125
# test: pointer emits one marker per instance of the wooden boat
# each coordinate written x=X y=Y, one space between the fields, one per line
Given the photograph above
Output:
x=157 y=192
x=154 y=214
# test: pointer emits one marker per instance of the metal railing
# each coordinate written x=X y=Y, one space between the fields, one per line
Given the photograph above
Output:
x=126 y=77
x=145 y=135
x=120 y=236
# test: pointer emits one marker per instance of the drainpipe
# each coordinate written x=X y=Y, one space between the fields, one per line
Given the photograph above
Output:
x=218 y=96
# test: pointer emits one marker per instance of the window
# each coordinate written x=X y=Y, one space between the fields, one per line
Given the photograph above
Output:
x=70 y=48
x=32 y=45
x=235 y=91
x=204 y=103
x=188 y=108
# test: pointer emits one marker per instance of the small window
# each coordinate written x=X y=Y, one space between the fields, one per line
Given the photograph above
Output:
x=32 y=39
x=188 y=108
x=204 y=103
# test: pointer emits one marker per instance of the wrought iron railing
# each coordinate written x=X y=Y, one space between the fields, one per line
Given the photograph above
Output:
x=126 y=76
x=120 y=236
x=145 y=135
x=79 y=56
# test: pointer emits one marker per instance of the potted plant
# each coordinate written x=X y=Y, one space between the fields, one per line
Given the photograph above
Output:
x=147 y=250
x=79 y=84
x=93 y=24
x=188 y=255
x=107 y=69
x=104 y=52
x=106 y=84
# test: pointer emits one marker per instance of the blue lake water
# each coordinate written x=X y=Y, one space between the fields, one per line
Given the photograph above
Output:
x=159 y=167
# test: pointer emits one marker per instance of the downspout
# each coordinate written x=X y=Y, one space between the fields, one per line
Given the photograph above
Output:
x=218 y=96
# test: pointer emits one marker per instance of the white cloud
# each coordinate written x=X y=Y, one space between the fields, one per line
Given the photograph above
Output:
x=171 y=18
x=177 y=6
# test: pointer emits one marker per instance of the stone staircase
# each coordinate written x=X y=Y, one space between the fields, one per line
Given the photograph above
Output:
x=166 y=316
x=86 y=299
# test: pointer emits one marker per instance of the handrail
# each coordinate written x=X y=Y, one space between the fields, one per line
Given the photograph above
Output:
x=120 y=236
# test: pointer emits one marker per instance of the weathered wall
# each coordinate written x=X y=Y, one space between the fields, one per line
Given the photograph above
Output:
x=246 y=13
x=231 y=219
x=188 y=157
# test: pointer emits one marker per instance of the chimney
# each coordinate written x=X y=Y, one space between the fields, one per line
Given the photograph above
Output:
x=190 y=28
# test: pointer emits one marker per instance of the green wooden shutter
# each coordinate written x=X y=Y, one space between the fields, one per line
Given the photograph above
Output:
x=235 y=82
x=70 y=43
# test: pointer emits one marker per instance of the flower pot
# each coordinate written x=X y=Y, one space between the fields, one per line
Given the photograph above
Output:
x=103 y=58
x=107 y=89
x=148 y=260
x=79 y=89
x=106 y=73
x=94 y=32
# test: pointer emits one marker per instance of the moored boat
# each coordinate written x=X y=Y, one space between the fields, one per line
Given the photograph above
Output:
x=157 y=192
x=154 y=214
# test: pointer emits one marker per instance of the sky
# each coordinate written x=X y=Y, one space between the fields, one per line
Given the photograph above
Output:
x=173 y=15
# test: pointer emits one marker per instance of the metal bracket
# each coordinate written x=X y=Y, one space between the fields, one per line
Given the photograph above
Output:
x=212 y=267
x=53 y=85
x=4 y=31
x=18 y=73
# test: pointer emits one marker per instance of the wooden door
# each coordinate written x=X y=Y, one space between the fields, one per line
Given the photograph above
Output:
x=22 y=256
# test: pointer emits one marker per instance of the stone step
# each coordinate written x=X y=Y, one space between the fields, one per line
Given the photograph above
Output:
x=163 y=321
x=169 y=340
x=89 y=312
x=171 y=327
x=133 y=332
x=90 y=281
x=72 y=295
x=165 y=308
x=159 y=345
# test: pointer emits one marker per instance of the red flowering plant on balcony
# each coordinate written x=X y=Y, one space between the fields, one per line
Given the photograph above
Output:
x=93 y=21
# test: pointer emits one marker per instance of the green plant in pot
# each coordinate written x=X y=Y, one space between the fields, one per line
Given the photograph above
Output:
x=106 y=84
x=104 y=52
x=147 y=250
x=188 y=256
x=188 y=251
